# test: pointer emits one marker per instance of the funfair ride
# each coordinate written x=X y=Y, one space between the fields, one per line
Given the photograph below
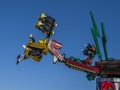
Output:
x=106 y=70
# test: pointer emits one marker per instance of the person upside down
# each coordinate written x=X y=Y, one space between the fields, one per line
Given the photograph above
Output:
x=33 y=50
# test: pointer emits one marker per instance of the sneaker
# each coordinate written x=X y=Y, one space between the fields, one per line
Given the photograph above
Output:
x=17 y=62
x=18 y=59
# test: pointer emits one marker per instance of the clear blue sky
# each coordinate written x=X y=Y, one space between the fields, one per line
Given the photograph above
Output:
x=17 y=20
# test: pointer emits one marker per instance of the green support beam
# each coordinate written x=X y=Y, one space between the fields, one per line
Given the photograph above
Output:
x=104 y=41
x=95 y=34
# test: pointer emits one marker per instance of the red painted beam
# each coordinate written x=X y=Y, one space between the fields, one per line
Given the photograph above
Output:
x=85 y=67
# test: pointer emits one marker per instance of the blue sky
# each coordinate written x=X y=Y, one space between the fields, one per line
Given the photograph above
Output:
x=17 y=21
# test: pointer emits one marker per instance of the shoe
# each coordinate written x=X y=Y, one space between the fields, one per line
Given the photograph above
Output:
x=18 y=56
x=18 y=59
x=17 y=62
